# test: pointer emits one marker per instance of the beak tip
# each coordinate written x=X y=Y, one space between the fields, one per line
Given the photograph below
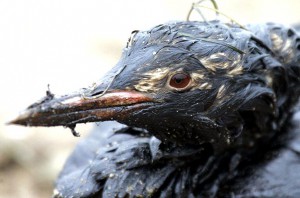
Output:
x=21 y=119
x=13 y=122
x=16 y=121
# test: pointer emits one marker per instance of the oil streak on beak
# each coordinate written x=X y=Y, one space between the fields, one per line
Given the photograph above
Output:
x=72 y=109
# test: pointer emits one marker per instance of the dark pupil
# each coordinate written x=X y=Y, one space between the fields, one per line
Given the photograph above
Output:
x=178 y=79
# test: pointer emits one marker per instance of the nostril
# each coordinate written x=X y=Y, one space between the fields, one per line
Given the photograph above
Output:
x=97 y=93
x=88 y=94
x=290 y=33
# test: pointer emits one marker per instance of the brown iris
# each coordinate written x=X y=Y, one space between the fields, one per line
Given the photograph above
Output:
x=180 y=81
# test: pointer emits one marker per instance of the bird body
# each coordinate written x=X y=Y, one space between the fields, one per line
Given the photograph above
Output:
x=117 y=161
x=202 y=101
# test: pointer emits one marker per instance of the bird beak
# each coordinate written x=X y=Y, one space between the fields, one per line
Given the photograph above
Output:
x=76 y=108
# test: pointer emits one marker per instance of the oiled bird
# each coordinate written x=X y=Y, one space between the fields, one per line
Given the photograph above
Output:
x=201 y=104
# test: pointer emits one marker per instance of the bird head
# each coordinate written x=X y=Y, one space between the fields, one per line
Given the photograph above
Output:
x=183 y=82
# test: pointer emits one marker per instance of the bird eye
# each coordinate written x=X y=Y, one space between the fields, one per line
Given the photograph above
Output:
x=180 y=81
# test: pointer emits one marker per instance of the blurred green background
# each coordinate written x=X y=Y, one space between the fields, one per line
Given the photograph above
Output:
x=70 y=44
